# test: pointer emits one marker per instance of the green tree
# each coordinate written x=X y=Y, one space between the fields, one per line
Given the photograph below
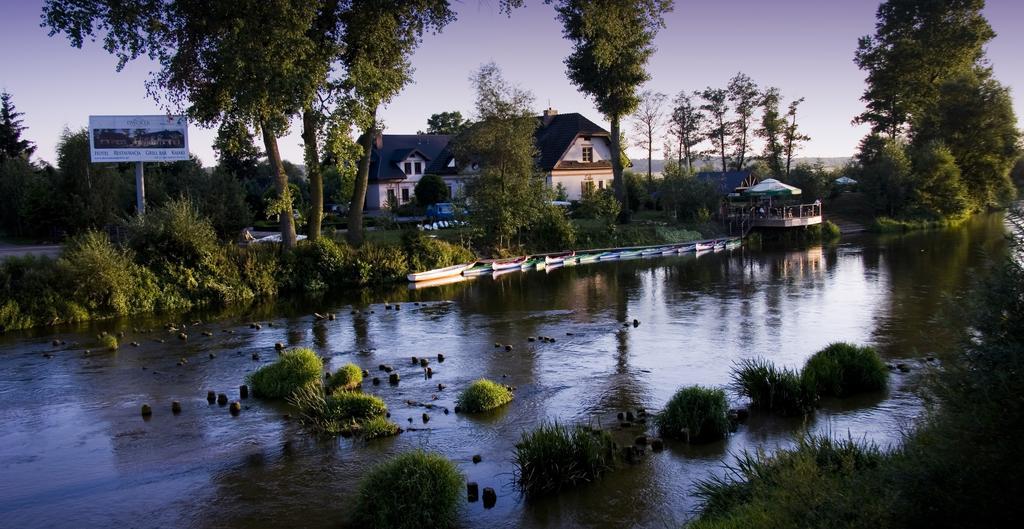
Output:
x=772 y=129
x=431 y=189
x=12 y=145
x=916 y=46
x=792 y=137
x=885 y=174
x=450 y=123
x=686 y=198
x=377 y=43
x=744 y=96
x=509 y=194
x=612 y=42
x=813 y=180
x=718 y=128
x=236 y=152
x=938 y=190
x=685 y=125
x=599 y=204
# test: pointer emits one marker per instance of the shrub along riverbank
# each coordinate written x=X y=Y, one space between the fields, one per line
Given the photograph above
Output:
x=960 y=468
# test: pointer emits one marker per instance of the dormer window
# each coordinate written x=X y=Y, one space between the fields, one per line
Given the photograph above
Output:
x=588 y=154
x=419 y=168
x=408 y=168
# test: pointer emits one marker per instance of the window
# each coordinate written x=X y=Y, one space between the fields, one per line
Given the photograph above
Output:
x=419 y=168
x=405 y=194
x=391 y=195
x=408 y=168
x=588 y=154
x=600 y=184
x=587 y=186
x=451 y=192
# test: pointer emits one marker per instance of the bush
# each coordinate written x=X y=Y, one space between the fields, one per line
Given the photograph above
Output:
x=294 y=369
x=377 y=427
x=425 y=253
x=431 y=189
x=108 y=341
x=822 y=483
x=351 y=405
x=552 y=231
x=843 y=369
x=340 y=412
x=555 y=457
x=483 y=395
x=411 y=491
x=697 y=414
x=174 y=232
x=348 y=377
x=379 y=264
x=104 y=279
x=316 y=265
x=771 y=388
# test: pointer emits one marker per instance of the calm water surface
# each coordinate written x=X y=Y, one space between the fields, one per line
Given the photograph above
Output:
x=74 y=450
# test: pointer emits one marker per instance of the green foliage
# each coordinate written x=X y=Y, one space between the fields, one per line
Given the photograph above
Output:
x=884 y=174
x=316 y=265
x=294 y=369
x=108 y=341
x=12 y=145
x=483 y=395
x=377 y=427
x=410 y=491
x=599 y=204
x=843 y=369
x=105 y=280
x=556 y=457
x=379 y=264
x=426 y=253
x=815 y=181
x=772 y=388
x=685 y=197
x=553 y=230
x=697 y=414
x=340 y=411
x=450 y=123
x=431 y=189
x=348 y=377
x=821 y=483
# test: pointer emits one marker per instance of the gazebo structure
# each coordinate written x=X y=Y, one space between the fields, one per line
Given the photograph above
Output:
x=770 y=204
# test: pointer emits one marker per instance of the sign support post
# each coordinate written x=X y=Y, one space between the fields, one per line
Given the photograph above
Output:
x=140 y=189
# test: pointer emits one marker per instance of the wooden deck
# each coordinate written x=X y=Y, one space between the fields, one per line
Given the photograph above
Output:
x=742 y=219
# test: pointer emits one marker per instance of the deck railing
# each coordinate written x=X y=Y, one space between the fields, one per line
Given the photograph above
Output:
x=743 y=218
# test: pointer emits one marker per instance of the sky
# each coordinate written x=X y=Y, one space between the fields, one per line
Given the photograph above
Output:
x=803 y=47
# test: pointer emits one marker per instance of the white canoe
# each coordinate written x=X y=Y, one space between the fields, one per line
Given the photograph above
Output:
x=507 y=264
x=439 y=273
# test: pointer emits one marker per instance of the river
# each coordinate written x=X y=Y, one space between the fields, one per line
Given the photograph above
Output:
x=75 y=452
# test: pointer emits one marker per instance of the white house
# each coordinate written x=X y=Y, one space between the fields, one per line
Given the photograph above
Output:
x=574 y=152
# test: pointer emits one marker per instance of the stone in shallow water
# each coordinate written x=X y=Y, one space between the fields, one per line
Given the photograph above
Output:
x=472 y=491
x=490 y=498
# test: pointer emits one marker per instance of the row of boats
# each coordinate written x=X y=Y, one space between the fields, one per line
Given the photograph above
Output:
x=527 y=262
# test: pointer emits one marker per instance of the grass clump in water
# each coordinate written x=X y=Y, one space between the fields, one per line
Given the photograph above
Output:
x=697 y=414
x=348 y=377
x=556 y=457
x=772 y=388
x=844 y=369
x=822 y=482
x=411 y=491
x=340 y=412
x=293 y=370
x=378 y=427
x=484 y=395
x=109 y=342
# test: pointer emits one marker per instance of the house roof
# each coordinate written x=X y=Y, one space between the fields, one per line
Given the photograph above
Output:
x=554 y=138
x=727 y=181
x=397 y=147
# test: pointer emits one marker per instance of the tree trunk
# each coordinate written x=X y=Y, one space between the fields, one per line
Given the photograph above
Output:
x=355 y=210
x=313 y=172
x=287 y=222
x=621 y=192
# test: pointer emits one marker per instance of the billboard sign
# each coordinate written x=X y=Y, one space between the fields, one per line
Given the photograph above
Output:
x=138 y=138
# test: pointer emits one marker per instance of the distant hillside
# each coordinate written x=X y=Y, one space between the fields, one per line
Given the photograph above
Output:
x=708 y=164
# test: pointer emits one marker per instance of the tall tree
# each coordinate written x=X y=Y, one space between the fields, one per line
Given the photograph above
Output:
x=236 y=151
x=685 y=125
x=249 y=59
x=612 y=42
x=377 y=42
x=509 y=194
x=744 y=96
x=916 y=46
x=647 y=121
x=792 y=138
x=451 y=123
x=772 y=131
x=11 y=143
x=718 y=128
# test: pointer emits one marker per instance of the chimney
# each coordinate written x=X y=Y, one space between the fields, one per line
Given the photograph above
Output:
x=549 y=115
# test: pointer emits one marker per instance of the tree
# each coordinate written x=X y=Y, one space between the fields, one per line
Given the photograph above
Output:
x=377 y=42
x=450 y=123
x=916 y=46
x=252 y=60
x=792 y=137
x=885 y=173
x=772 y=131
x=11 y=143
x=509 y=194
x=236 y=151
x=718 y=128
x=685 y=126
x=647 y=120
x=938 y=190
x=744 y=96
x=612 y=41
x=431 y=189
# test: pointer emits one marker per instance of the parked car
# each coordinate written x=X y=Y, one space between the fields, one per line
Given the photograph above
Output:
x=441 y=211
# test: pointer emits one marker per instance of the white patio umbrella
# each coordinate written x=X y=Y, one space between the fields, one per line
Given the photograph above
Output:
x=771 y=188
x=845 y=181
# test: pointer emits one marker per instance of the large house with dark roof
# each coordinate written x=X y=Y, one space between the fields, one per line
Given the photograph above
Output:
x=573 y=151
x=729 y=182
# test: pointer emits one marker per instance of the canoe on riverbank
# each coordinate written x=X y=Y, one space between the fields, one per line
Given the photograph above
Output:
x=439 y=273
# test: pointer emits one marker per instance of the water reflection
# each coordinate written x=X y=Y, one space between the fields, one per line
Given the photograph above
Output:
x=73 y=446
